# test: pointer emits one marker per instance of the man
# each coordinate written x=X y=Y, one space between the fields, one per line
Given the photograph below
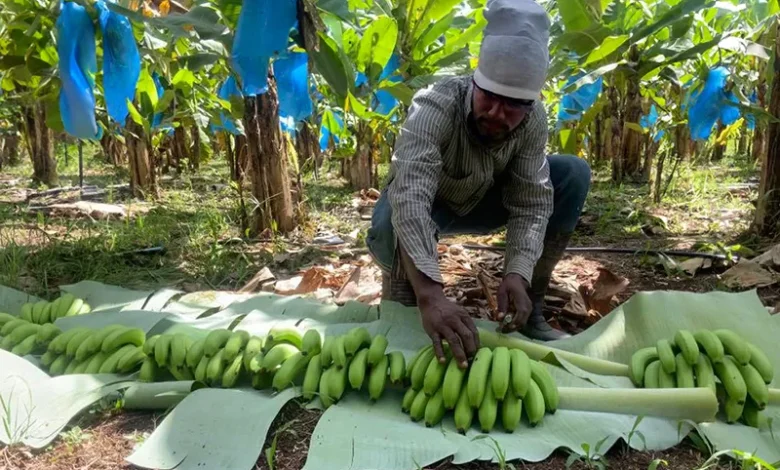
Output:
x=471 y=158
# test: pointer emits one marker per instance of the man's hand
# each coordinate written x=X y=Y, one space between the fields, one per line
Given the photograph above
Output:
x=444 y=320
x=514 y=288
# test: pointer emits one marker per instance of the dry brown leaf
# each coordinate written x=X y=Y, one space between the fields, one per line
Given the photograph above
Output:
x=484 y=283
x=262 y=277
x=692 y=266
x=608 y=285
x=349 y=290
x=746 y=275
x=288 y=286
x=313 y=279
x=770 y=258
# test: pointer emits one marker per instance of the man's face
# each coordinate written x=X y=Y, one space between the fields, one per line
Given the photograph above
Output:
x=496 y=116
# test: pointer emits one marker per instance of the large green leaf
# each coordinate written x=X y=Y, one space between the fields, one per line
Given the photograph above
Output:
x=578 y=15
x=685 y=7
x=377 y=44
x=607 y=47
x=431 y=34
x=147 y=92
x=339 y=8
x=400 y=91
x=436 y=10
x=330 y=65
x=582 y=42
x=183 y=80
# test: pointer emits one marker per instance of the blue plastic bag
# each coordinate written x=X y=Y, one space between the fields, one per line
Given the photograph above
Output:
x=77 y=66
x=749 y=117
x=158 y=117
x=573 y=105
x=710 y=104
x=647 y=121
x=292 y=81
x=228 y=89
x=384 y=102
x=325 y=134
x=262 y=32
x=288 y=125
x=121 y=62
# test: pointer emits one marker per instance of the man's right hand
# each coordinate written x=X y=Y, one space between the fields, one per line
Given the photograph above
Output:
x=445 y=320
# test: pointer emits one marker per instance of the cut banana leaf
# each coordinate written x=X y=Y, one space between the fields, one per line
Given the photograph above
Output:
x=105 y=297
x=142 y=319
x=199 y=434
x=11 y=300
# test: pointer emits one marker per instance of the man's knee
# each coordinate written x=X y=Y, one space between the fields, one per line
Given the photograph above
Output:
x=570 y=174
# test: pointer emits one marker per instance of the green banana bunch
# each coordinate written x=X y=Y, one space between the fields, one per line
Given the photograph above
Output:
x=281 y=335
x=291 y=368
x=235 y=344
x=378 y=378
x=311 y=344
x=311 y=379
x=355 y=339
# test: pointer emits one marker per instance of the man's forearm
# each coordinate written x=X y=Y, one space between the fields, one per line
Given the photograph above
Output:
x=424 y=287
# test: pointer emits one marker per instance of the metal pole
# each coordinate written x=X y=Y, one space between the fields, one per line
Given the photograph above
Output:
x=81 y=164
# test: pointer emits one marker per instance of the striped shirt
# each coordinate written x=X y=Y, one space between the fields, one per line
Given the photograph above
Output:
x=437 y=157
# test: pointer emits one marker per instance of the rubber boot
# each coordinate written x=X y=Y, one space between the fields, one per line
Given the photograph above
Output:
x=396 y=287
x=537 y=327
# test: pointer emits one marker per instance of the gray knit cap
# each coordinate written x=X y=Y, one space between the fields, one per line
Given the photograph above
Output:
x=514 y=57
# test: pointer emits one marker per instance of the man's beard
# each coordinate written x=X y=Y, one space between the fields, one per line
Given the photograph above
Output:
x=493 y=131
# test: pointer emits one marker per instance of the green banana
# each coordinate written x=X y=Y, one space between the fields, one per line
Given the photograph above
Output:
x=326 y=355
x=463 y=414
x=417 y=410
x=235 y=344
x=194 y=353
x=311 y=379
x=215 y=341
x=453 y=382
x=411 y=364
x=162 y=350
x=65 y=301
x=500 y=372
x=756 y=388
x=262 y=381
x=6 y=317
x=639 y=362
x=121 y=337
x=80 y=367
x=283 y=334
x=289 y=371
x=434 y=410
x=60 y=343
x=354 y=339
x=110 y=365
x=85 y=309
x=406 y=403
x=96 y=362
x=731 y=378
x=488 y=410
x=23 y=332
x=148 y=370
x=181 y=374
x=534 y=404
x=46 y=313
x=46 y=334
x=76 y=341
x=277 y=355
x=180 y=344
x=324 y=389
x=376 y=351
x=311 y=343
x=666 y=356
x=521 y=372
x=47 y=358
x=665 y=379
x=357 y=369
x=7 y=344
x=684 y=372
x=200 y=371
x=149 y=345
x=434 y=376
x=734 y=345
x=9 y=327
x=478 y=375
x=652 y=373
x=94 y=342
x=378 y=378
x=74 y=308
x=705 y=375
x=233 y=372
x=216 y=368
x=337 y=383
x=72 y=367
x=339 y=353
x=759 y=360
x=27 y=345
x=753 y=417
x=511 y=411
x=686 y=342
x=37 y=310
x=420 y=367
x=253 y=347
x=544 y=380
x=397 y=367
x=733 y=410
x=59 y=365
x=131 y=360
x=25 y=315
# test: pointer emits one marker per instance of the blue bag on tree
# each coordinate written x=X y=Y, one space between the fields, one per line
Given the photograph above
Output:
x=326 y=135
x=749 y=117
x=292 y=82
x=228 y=89
x=77 y=66
x=710 y=104
x=573 y=105
x=384 y=102
x=262 y=32
x=157 y=118
x=121 y=62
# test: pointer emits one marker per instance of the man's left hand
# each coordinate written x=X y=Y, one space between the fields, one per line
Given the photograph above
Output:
x=514 y=288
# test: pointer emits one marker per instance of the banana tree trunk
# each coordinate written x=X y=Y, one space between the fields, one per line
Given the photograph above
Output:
x=768 y=211
x=360 y=168
x=759 y=135
x=682 y=141
x=143 y=181
x=267 y=155
x=113 y=150
x=631 y=149
x=195 y=154
x=179 y=149
x=308 y=148
x=10 y=154
x=40 y=142
x=719 y=149
x=614 y=133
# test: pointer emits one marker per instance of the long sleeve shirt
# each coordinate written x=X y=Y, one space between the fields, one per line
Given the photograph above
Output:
x=439 y=158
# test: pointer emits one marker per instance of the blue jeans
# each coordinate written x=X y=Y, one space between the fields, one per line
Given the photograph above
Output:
x=570 y=178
